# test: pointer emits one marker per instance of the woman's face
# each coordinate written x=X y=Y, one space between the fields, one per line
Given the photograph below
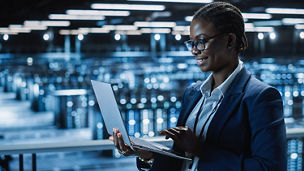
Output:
x=216 y=56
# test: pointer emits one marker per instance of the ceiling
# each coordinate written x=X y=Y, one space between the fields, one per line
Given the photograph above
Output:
x=16 y=11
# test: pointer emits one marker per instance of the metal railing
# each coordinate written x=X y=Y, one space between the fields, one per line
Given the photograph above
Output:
x=86 y=145
x=89 y=145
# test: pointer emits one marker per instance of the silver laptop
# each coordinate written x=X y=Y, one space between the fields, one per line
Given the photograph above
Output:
x=112 y=118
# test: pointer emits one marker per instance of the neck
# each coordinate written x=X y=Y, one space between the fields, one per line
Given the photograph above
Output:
x=220 y=76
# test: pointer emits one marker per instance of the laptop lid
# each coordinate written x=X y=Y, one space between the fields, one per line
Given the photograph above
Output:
x=109 y=109
x=112 y=118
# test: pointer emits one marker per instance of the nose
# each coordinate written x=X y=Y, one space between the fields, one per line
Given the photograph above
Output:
x=195 y=51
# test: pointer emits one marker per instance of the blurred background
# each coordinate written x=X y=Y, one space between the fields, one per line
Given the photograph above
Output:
x=50 y=50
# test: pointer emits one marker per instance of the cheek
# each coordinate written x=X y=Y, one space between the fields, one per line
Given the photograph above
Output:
x=215 y=49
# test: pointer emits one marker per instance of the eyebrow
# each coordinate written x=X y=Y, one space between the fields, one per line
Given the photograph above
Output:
x=200 y=35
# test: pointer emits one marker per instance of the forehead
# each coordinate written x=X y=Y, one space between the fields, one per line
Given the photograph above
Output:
x=200 y=26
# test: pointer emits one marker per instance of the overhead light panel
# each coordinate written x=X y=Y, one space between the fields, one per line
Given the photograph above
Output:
x=268 y=23
x=36 y=27
x=177 y=1
x=119 y=27
x=30 y=23
x=56 y=23
x=259 y=29
x=18 y=28
x=188 y=18
x=98 y=12
x=291 y=21
x=125 y=27
x=299 y=26
x=154 y=24
x=129 y=32
x=64 y=32
x=284 y=11
x=264 y=29
x=71 y=32
x=161 y=30
x=246 y=16
x=181 y=28
x=249 y=25
x=99 y=30
x=5 y=30
x=109 y=27
x=15 y=26
x=75 y=17
x=128 y=7
x=256 y=16
x=93 y=30
x=185 y=33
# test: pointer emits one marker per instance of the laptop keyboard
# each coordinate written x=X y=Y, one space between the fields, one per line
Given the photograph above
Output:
x=147 y=144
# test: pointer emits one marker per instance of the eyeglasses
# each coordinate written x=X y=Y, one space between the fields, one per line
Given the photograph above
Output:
x=200 y=44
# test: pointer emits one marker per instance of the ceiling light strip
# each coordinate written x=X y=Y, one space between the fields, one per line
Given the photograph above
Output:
x=291 y=21
x=245 y=16
x=185 y=33
x=128 y=7
x=98 y=12
x=259 y=29
x=154 y=24
x=284 y=11
x=149 y=30
x=129 y=32
x=181 y=28
x=32 y=23
x=176 y=1
x=75 y=17
x=299 y=26
x=256 y=16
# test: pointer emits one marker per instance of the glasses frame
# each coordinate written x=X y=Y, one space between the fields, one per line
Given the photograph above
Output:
x=191 y=43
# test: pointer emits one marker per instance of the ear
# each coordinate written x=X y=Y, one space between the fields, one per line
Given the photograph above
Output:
x=231 y=41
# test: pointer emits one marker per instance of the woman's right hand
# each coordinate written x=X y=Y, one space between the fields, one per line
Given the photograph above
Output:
x=125 y=149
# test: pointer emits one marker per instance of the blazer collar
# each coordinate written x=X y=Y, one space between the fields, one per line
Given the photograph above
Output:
x=239 y=83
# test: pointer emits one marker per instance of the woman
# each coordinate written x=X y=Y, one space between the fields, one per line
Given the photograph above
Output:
x=231 y=121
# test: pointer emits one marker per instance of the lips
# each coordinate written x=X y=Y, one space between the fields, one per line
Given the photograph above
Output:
x=200 y=61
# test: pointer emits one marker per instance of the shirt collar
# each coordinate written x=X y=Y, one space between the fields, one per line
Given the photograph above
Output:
x=206 y=86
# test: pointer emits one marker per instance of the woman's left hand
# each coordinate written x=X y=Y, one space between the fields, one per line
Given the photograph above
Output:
x=183 y=138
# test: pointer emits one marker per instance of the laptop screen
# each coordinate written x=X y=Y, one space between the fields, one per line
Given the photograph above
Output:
x=109 y=109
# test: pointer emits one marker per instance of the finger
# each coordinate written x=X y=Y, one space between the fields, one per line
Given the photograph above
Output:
x=115 y=138
x=121 y=142
x=183 y=128
x=178 y=134
x=175 y=131
x=170 y=135
x=111 y=138
x=161 y=132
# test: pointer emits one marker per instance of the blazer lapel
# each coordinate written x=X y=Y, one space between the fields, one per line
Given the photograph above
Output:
x=192 y=99
x=229 y=104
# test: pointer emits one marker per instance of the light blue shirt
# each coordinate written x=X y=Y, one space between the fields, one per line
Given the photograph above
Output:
x=211 y=102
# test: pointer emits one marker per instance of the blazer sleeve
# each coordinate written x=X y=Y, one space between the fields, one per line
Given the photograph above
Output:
x=267 y=139
x=268 y=133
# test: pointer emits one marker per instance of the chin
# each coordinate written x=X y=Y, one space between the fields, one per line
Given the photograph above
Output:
x=204 y=68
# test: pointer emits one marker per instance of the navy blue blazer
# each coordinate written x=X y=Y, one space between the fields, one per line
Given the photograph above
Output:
x=247 y=132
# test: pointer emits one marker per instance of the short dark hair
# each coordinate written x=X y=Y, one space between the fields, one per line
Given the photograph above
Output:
x=227 y=19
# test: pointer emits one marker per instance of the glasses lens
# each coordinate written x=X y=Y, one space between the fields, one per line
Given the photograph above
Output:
x=189 y=44
x=200 y=45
